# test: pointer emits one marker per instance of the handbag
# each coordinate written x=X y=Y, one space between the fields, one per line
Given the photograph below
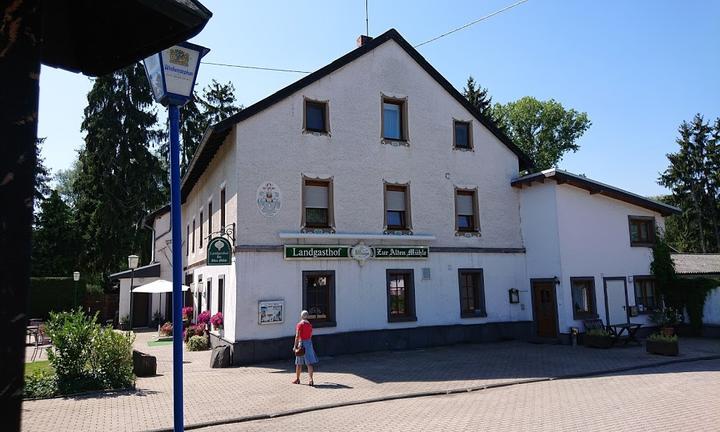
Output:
x=299 y=351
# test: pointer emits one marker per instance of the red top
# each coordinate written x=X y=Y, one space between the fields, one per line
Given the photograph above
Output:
x=304 y=328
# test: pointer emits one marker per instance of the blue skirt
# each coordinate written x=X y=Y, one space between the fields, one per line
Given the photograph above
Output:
x=309 y=357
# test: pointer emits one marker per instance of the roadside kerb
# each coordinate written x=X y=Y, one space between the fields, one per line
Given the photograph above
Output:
x=412 y=395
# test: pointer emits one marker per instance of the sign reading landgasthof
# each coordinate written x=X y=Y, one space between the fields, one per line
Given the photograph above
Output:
x=295 y=252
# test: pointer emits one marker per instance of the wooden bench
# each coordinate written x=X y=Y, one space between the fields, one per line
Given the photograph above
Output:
x=593 y=324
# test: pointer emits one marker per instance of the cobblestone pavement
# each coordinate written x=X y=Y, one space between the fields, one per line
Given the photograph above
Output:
x=677 y=397
x=220 y=394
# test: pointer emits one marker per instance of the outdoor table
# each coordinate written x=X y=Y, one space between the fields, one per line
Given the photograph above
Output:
x=630 y=329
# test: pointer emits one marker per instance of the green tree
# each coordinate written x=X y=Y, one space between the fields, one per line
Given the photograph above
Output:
x=42 y=175
x=216 y=104
x=692 y=177
x=478 y=96
x=54 y=243
x=65 y=183
x=544 y=130
x=120 y=177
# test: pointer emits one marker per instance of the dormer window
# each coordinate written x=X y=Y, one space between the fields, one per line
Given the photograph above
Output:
x=316 y=116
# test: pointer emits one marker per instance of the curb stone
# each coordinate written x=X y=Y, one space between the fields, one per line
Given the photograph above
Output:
x=412 y=395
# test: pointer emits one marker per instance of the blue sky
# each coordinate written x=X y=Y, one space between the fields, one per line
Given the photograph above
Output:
x=637 y=68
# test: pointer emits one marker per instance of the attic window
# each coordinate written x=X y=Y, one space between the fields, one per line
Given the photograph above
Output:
x=316 y=116
x=642 y=230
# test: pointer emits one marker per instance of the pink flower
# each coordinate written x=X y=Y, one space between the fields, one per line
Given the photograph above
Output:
x=217 y=320
x=203 y=317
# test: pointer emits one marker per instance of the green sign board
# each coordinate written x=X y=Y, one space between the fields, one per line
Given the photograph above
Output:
x=400 y=252
x=358 y=252
x=317 y=252
x=219 y=252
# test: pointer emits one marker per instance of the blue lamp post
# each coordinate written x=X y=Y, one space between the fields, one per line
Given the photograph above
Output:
x=172 y=74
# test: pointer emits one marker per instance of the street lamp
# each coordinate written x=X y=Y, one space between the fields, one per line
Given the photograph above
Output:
x=76 y=278
x=172 y=75
x=132 y=265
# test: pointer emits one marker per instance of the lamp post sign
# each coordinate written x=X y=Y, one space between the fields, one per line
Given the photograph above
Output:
x=172 y=75
x=219 y=252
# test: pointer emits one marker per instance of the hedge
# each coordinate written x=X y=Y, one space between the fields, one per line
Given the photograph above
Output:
x=53 y=294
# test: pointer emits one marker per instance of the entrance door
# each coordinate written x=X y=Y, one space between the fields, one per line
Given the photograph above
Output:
x=544 y=308
x=616 y=300
x=141 y=308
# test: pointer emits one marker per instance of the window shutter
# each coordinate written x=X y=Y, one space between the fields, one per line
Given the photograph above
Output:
x=464 y=204
x=316 y=196
x=396 y=200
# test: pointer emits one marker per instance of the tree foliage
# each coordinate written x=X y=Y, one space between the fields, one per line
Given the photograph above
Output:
x=544 y=130
x=55 y=242
x=120 y=177
x=693 y=177
x=478 y=97
x=216 y=103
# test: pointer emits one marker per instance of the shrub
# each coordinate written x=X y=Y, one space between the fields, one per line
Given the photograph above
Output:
x=72 y=334
x=166 y=329
x=85 y=356
x=41 y=384
x=597 y=332
x=111 y=362
x=198 y=343
x=203 y=317
x=217 y=320
x=659 y=337
x=194 y=330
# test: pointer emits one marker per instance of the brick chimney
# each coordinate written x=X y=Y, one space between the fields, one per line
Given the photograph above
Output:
x=362 y=40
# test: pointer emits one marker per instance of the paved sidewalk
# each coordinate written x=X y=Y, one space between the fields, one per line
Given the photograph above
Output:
x=221 y=394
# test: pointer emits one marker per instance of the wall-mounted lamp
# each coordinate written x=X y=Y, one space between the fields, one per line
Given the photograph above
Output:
x=514 y=295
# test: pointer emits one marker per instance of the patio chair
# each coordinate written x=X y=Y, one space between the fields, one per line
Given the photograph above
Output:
x=42 y=340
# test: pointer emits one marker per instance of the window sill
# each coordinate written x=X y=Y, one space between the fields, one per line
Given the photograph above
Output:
x=316 y=132
x=402 y=319
x=463 y=149
x=467 y=234
x=317 y=230
x=322 y=324
x=395 y=142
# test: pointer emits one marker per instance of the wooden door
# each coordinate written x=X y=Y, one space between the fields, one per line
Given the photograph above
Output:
x=544 y=308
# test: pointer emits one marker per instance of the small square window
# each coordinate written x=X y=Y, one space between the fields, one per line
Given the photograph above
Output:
x=463 y=135
x=316 y=116
x=642 y=230
x=394 y=122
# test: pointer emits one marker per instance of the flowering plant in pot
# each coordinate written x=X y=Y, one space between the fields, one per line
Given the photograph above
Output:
x=667 y=318
x=217 y=321
x=598 y=338
x=194 y=330
x=203 y=318
x=166 y=329
x=186 y=314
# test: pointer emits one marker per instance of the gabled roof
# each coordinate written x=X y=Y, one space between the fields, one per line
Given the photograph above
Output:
x=595 y=187
x=216 y=134
x=697 y=264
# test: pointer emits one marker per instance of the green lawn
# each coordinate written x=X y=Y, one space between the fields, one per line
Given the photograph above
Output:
x=38 y=366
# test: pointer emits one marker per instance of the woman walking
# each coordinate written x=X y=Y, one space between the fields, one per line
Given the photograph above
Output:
x=303 y=348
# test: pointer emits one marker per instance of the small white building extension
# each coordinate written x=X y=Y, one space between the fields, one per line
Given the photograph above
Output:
x=373 y=195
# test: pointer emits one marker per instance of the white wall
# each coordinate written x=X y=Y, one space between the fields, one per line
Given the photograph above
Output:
x=215 y=273
x=360 y=291
x=595 y=241
x=272 y=147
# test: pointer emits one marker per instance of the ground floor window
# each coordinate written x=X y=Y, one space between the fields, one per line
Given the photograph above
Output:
x=472 y=293
x=583 y=297
x=400 y=295
x=221 y=294
x=319 y=297
x=645 y=298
